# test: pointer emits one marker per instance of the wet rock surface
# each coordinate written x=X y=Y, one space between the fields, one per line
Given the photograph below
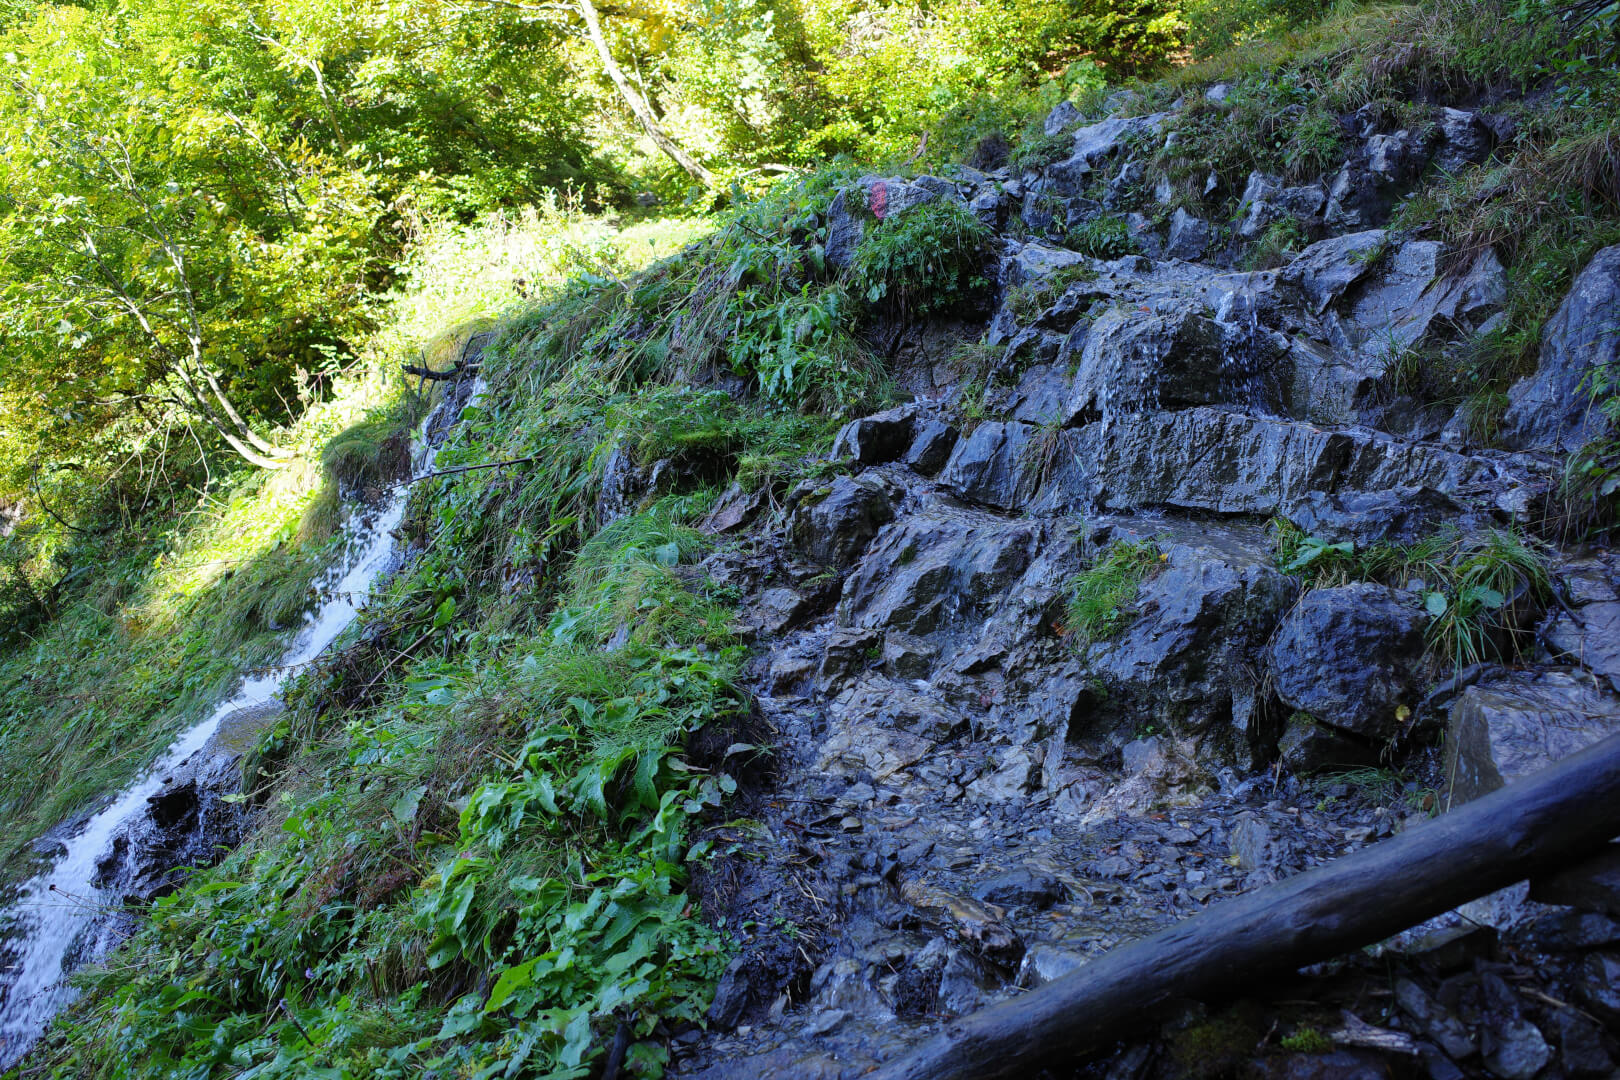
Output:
x=969 y=798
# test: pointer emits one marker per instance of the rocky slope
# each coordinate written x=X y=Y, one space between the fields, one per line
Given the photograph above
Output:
x=968 y=796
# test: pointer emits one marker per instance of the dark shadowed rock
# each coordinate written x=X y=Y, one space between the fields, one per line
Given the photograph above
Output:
x=1189 y=236
x=1598 y=985
x=1308 y=747
x=1464 y=140
x=1593 y=885
x=1348 y=656
x=1580 y=1044
x=1552 y=409
x=879 y=438
x=1520 y=723
x=932 y=447
x=1022 y=887
x=1513 y=1048
x=834 y=527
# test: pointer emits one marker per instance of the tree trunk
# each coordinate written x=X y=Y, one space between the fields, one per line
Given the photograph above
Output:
x=638 y=105
x=1562 y=814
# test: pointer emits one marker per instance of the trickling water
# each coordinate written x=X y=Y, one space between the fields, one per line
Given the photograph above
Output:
x=61 y=919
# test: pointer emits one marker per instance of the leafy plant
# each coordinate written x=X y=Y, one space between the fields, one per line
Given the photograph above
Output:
x=1103 y=237
x=926 y=259
x=1100 y=599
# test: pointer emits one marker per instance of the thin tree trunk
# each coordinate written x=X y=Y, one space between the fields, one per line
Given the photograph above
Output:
x=637 y=103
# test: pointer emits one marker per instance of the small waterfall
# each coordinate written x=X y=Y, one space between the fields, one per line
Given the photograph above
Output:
x=61 y=919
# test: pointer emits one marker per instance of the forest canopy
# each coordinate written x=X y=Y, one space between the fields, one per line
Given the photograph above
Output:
x=205 y=206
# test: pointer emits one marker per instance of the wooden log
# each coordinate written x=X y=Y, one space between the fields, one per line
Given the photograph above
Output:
x=1558 y=816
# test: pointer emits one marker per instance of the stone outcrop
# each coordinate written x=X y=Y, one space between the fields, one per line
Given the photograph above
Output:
x=990 y=796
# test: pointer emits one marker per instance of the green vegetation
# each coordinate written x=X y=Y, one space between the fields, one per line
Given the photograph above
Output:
x=1281 y=239
x=1101 y=598
x=226 y=227
x=1033 y=297
x=1104 y=237
x=928 y=259
x=1482 y=592
x=1306 y=1040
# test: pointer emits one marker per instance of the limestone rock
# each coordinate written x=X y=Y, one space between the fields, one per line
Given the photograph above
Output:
x=834 y=528
x=1519 y=723
x=1552 y=410
x=1348 y=656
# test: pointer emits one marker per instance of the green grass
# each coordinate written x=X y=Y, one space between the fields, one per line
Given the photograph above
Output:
x=1104 y=237
x=1101 y=598
x=1482 y=592
x=1029 y=300
x=480 y=813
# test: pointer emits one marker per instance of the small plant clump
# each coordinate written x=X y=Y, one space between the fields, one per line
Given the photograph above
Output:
x=1100 y=599
x=928 y=259
x=1103 y=237
x=1306 y=1040
x=1480 y=592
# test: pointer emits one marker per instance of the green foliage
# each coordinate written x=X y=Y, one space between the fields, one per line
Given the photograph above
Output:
x=1100 y=599
x=1281 y=238
x=930 y=258
x=1029 y=300
x=1482 y=593
x=1306 y=1040
x=1104 y=237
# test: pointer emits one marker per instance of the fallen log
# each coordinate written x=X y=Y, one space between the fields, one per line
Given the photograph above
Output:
x=1558 y=816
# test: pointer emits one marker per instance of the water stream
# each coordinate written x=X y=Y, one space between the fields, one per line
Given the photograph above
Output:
x=61 y=919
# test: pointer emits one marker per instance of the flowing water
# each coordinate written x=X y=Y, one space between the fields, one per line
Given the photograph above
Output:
x=61 y=919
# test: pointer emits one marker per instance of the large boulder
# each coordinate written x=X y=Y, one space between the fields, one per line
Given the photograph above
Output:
x=1553 y=409
x=996 y=465
x=1172 y=357
x=1520 y=723
x=834 y=525
x=1183 y=662
x=1348 y=656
